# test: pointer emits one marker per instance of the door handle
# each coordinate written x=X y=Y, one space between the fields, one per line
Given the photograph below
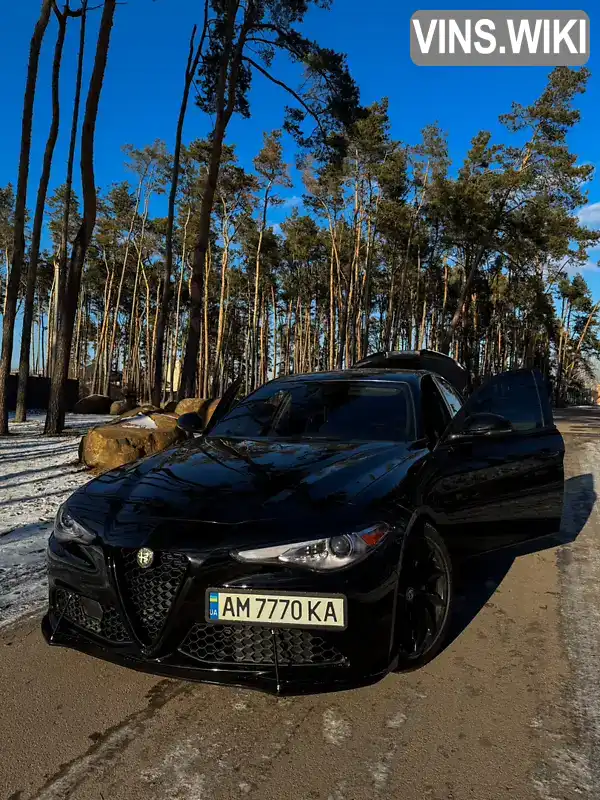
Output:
x=465 y=448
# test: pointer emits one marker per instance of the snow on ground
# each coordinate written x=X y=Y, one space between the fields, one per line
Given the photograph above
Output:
x=36 y=474
x=580 y=572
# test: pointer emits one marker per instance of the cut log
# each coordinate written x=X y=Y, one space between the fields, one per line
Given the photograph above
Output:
x=147 y=409
x=120 y=407
x=191 y=404
x=114 y=445
x=93 y=404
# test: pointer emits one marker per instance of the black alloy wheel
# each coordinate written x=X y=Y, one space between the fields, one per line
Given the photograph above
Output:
x=425 y=595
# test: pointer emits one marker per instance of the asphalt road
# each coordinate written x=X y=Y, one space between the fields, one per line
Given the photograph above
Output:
x=510 y=709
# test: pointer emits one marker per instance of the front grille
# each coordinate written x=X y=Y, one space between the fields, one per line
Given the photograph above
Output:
x=253 y=645
x=150 y=593
x=110 y=627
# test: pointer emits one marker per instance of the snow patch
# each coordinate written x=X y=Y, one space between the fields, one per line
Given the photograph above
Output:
x=380 y=772
x=568 y=771
x=179 y=776
x=139 y=421
x=338 y=792
x=37 y=474
x=176 y=774
x=580 y=608
x=397 y=721
x=335 y=729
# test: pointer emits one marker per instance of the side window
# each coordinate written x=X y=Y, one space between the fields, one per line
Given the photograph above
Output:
x=451 y=396
x=513 y=395
x=435 y=412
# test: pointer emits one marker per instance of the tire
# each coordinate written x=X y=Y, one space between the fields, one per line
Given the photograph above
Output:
x=425 y=599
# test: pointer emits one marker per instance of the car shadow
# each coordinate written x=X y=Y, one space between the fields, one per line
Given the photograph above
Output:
x=477 y=578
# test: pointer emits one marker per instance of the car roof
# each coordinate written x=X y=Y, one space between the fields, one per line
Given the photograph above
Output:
x=391 y=375
x=430 y=361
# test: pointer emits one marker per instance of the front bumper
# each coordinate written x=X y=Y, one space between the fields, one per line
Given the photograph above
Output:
x=266 y=680
x=88 y=612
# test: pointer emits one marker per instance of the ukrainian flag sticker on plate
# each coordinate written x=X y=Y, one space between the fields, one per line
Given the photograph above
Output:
x=213 y=605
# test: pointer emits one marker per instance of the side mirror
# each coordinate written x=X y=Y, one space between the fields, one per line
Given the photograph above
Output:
x=191 y=423
x=482 y=424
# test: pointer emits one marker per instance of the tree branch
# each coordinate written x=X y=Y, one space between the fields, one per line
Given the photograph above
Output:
x=288 y=89
x=285 y=44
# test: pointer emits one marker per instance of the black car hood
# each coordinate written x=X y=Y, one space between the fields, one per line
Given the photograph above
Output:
x=215 y=484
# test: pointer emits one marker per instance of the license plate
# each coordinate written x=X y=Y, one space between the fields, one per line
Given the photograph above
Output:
x=283 y=610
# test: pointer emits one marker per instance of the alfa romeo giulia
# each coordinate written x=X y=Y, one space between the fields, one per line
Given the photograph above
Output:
x=305 y=540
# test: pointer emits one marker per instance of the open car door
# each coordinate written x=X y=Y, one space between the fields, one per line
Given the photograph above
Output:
x=226 y=403
x=504 y=486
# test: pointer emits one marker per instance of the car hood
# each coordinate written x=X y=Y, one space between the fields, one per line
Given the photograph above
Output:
x=214 y=485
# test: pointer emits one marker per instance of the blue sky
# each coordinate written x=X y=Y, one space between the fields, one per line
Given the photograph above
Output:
x=148 y=53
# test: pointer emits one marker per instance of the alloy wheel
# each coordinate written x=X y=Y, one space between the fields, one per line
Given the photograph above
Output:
x=424 y=593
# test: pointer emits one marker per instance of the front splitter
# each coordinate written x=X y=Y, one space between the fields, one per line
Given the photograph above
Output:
x=266 y=681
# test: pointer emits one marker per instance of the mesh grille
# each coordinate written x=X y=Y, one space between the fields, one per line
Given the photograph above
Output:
x=150 y=593
x=253 y=645
x=110 y=627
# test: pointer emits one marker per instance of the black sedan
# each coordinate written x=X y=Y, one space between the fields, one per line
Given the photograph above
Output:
x=304 y=541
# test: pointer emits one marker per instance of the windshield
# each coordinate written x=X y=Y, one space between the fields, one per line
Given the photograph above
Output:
x=364 y=410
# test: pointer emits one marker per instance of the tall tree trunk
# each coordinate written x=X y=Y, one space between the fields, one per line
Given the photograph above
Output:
x=298 y=338
x=206 y=343
x=98 y=376
x=33 y=345
x=53 y=322
x=288 y=326
x=566 y=335
x=74 y=367
x=421 y=340
x=218 y=365
x=254 y=336
x=584 y=333
x=350 y=319
x=178 y=306
x=188 y=373
x=331 y=340
x=386 y=341
x=190 y=71
x=40 y=321
x=275 y=324
x=133 y=326
x=148 y=346
x=62 y=270
x=18 y=255
x=34 y=252
x=51 y=316
x=225 y=98
x=43 y=346
x=56 y=408
x=156 y=311
x=264 y=331
x=125 y=258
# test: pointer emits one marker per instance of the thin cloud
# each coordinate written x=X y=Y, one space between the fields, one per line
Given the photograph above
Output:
x=574 y=269
x=590 y=215
x=292 y=202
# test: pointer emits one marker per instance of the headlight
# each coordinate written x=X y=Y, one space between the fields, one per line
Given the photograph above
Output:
x=67 y=529
x=321 y=554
